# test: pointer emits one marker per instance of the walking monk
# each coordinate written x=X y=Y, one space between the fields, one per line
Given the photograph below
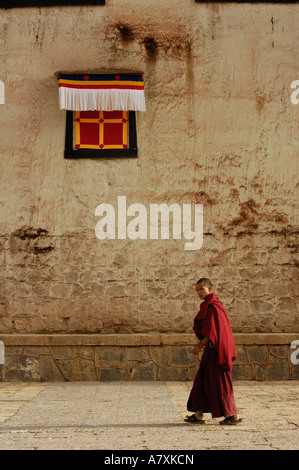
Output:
x=212 y=390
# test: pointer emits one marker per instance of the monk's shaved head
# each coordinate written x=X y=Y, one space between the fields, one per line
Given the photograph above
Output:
x=205 y=281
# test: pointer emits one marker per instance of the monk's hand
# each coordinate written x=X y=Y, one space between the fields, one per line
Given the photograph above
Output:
x=197 y=349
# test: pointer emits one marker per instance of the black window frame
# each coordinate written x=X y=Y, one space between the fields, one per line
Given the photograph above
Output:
x=71 y=152
x=247 y=1
x=47 y=3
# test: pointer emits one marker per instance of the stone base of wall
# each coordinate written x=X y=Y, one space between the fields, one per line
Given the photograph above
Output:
x=64 y=357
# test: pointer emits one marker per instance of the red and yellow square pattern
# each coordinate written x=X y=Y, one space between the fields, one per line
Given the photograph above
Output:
x=101 y=129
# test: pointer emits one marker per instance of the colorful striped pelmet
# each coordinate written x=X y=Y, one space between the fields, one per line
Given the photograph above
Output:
x=105 y=92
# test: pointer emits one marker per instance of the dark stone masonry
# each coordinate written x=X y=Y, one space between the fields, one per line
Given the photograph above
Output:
x=168 y=357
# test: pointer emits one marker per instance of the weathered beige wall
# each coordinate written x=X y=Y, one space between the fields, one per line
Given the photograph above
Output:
x=219 y=129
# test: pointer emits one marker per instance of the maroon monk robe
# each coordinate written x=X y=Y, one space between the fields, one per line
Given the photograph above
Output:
x=212 y=390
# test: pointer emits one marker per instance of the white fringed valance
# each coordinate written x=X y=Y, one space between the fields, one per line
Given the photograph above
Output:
x=101 y=92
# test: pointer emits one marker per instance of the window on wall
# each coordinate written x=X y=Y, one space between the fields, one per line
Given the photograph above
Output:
x=47 y=3
x=101 y=129
x=101 y=119
x=100 y=134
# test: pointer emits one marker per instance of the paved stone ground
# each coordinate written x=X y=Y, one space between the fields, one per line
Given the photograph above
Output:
x=142 y=415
